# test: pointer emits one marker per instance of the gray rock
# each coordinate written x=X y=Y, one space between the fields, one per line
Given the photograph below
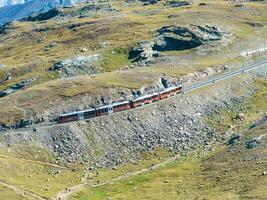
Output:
x=79 y=65
x=143 y=53
x=172 y=38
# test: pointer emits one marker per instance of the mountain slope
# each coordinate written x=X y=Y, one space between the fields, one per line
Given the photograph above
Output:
x=4 y=3
x=13 y=10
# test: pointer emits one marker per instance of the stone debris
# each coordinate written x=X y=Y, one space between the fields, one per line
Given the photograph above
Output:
x=18 y=86
x=79 y=65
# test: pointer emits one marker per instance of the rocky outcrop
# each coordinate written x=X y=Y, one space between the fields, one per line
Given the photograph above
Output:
x=4 y=28
x=92 y=8
x=16 y=87
x=43 y=16
x=79 y=65
x=143 y=53
x=175 y=38
x=150 y=2
x=171 y=38
x=175 y=3
x=255 y=24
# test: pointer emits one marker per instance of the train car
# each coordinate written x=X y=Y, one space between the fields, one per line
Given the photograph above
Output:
x=121 y=106
x=125 y=105
x=165 y=94
x=155 y=97
x=89 y=113
x=170 y=92
x=179 y=89
x=69 y=117
x=142 y=101
x=105 y=110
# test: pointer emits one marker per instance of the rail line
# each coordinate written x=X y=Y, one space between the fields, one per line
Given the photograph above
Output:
x=225 y=76
x=196 y=86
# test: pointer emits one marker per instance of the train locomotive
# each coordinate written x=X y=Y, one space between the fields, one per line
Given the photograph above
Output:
x=120 y=106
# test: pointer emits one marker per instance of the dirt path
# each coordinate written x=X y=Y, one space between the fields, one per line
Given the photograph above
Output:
x=64 y=195
x=32 y=161
x=22 y=192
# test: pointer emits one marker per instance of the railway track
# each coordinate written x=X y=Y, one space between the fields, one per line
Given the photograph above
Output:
x=185 y=90
x=225 y=76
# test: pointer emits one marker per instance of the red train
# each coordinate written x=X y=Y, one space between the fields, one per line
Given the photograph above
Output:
x=118 y=107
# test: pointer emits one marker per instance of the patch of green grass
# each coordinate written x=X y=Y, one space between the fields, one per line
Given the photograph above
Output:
x=114 y=60
x=252 y=109
x=147 y=160
x=9 y=194
x=40 y=178
x=229 y=172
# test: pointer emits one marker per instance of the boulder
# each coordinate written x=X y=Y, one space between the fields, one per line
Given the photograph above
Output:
x=43 y=16
x=175 y=38
x=175 y=3
x=149 y=2
x=143 y=53
x=171 y=38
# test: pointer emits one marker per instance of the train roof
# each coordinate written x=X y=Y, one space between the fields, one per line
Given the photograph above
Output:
x=75 y=112
x=150 y=95
x=144 y=97
x=120 y=103
x=66 y=114
x=171 y=88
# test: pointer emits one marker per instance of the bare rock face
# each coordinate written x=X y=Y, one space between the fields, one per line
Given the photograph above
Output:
x=171 y=38
x=175 y=3
x=143 y=53
x=175 y=38
x=43 y=16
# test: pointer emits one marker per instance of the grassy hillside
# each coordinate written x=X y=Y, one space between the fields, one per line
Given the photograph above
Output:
x=232 y=171
x=34 y=170
x=24 y=49
x=6 y=193
x=229 y=172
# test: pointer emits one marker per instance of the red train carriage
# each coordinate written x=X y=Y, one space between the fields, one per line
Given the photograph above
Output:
x=68 y=117
x=141 y=101
x=105 y=110
x=179 y=89
x=170 y=92
x=117 y=107
x=164 y=94
x=156 y=97
x=89 y=113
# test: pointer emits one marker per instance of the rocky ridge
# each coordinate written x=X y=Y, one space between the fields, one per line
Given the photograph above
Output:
x=175 y=38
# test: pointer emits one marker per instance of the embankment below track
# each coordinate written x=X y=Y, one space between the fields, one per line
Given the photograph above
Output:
x=179 y=124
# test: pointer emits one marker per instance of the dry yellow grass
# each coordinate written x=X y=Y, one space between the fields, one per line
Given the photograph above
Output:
x=37 y=177
x=25 y=57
